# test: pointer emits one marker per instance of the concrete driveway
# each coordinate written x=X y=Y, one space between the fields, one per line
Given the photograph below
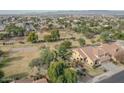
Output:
x=111 y=68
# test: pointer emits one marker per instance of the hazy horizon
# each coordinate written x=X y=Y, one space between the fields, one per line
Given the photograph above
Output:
x=43 y=11
x=61 y=12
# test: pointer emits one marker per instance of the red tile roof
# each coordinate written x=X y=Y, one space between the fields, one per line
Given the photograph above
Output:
x=95 y=51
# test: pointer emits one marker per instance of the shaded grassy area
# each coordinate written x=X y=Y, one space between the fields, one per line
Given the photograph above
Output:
x=4 y=62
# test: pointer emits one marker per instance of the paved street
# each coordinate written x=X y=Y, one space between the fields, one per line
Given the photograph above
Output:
x=118 y=78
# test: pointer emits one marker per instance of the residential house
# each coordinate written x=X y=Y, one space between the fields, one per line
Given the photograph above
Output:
x=96 y=55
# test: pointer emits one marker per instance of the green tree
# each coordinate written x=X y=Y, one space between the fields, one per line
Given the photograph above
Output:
x=64 y=53
x=82 y=42
x=3 y=36
x=32 y=37
x=55 y=71
x=47 y=56
x=55 y=35
x=59 y=72
x=66 y=44
x=14 y=30
x=70 y=75
x=119 y=35
x=106 y=36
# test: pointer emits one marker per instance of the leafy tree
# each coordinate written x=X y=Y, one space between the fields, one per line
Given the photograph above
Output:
x=55 y=54
x=81 y=42
x=55 y=70
x=70 y=75
x=64 y=53
x=14 y=30
x=119 y=35
x=47 y=56
x=105 y=36
x=3 y=36
x=55 y=35
x=32 y=37
x=58 y=72
x=66 y=44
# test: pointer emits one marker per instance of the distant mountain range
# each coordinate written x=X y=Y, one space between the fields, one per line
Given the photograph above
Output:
x=62 y=12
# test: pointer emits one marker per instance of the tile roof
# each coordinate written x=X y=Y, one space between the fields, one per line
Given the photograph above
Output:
x=94 y=52
x=80 y=52
x=91 y=52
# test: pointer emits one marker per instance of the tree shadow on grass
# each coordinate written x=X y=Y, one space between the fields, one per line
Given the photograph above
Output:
x=18 y=76
x=15 y=58
x=6 y=61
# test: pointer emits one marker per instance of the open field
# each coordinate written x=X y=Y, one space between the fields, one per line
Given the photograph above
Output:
x=19 y=59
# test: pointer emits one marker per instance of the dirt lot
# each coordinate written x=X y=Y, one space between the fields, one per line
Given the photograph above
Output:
x=19 y=59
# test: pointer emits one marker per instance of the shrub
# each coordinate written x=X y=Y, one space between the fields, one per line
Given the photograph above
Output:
x=32 y=37
x=81 y=42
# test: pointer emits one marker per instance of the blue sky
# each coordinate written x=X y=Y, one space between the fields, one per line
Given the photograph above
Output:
x=62 y=4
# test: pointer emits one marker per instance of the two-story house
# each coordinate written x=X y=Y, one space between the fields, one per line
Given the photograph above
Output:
x=95 y=55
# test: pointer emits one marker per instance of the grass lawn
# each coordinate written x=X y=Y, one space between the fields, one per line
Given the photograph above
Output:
x=94 y=72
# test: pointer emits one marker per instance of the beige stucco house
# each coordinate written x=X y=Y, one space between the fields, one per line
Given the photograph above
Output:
x=95 y=55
